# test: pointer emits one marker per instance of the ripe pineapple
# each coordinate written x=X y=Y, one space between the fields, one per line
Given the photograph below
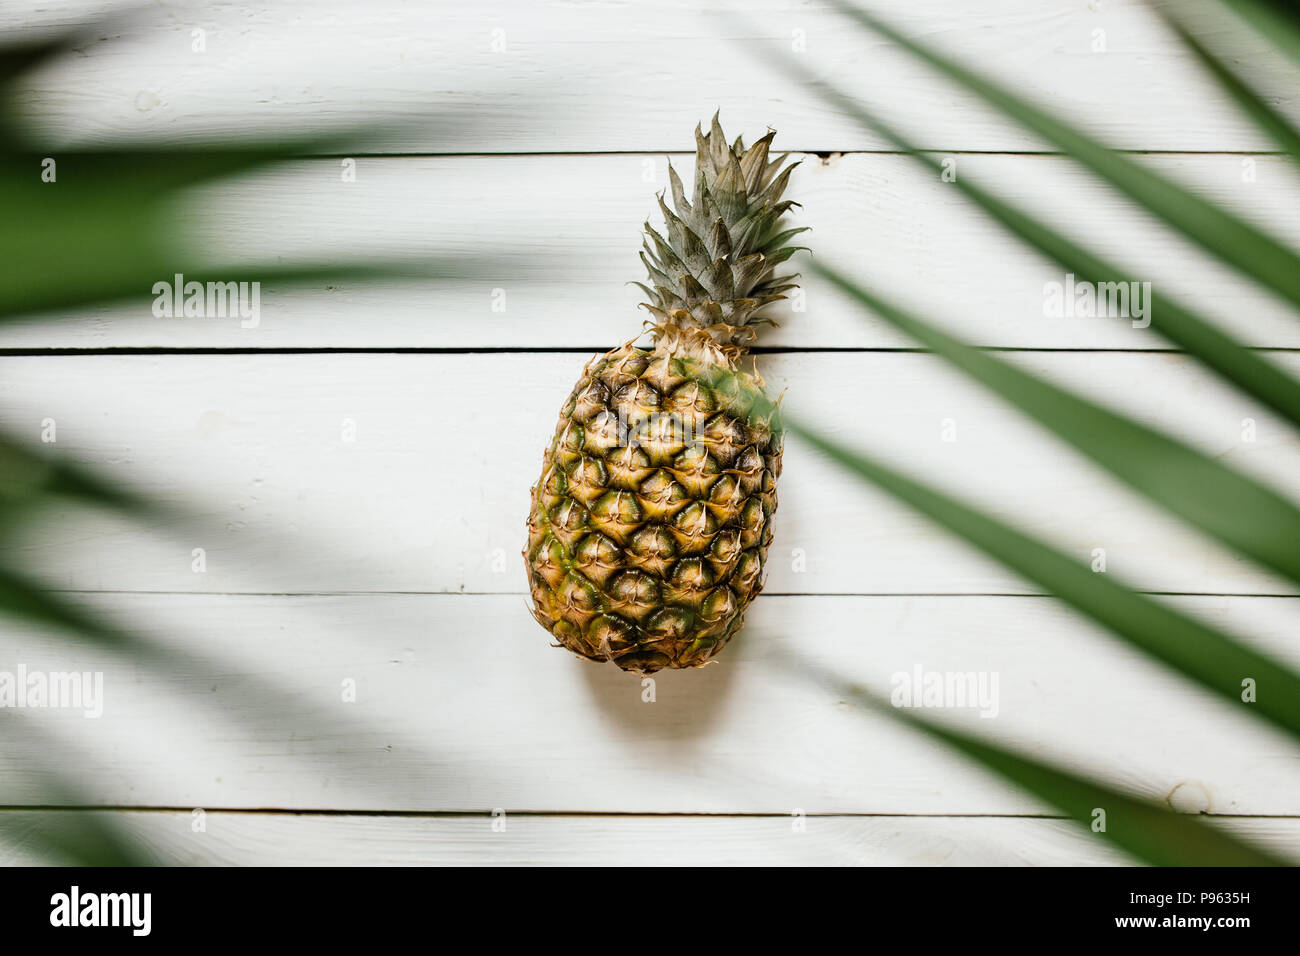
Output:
x=653 y=515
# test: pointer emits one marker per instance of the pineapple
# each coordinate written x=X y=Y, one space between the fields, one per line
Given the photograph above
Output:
x=653 y=515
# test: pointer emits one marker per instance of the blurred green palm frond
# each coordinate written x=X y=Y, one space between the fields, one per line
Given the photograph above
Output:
x=98 y=232
x=1279 y=20
x=1256 y=520
x=103 y=228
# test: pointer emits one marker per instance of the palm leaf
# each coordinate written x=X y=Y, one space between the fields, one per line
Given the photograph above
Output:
x=1276 y=126
x=27 y=478
x=101 y=232
x=1144 y=829
x=1211 y=657
x=1237 y=510
x=1278 y=20
x=1230 y=238
x=19 y=56
x=24 y=598
x=103 y=229
x=1248 y=370
x=79 y=837
x=1158 y=465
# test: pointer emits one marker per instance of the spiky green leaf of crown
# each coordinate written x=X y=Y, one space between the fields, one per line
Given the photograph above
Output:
x=717 y=267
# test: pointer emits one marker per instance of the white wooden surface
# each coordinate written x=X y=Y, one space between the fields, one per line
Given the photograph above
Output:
x=432 y=494
x=587 y=77
x=577 y=219
x=462 y=706
x=269 y=840
x=393 y=560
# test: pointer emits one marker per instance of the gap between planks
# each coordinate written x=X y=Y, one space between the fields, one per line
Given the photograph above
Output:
x=556 y=350
x=819 y=153
x=616 y=814
x=767 y=594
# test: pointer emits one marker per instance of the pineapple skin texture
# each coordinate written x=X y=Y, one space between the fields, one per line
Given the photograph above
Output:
x=650 y=525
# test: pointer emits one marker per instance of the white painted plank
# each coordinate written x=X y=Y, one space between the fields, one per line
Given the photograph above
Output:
x=571 y=226
x=462 y=705
x=259 y=839
x=563 y=77
x=433 y=492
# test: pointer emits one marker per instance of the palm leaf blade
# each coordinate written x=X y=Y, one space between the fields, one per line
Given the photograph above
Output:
x=1276 y=20
x=1207 y=655
x=1268 y=119
x=1233 y=240
x=1226 y=504
x=1197 y=650
x=1144 y=829
x=1244 y=368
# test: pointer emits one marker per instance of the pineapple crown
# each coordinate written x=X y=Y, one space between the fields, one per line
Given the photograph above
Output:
x=717 y=267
